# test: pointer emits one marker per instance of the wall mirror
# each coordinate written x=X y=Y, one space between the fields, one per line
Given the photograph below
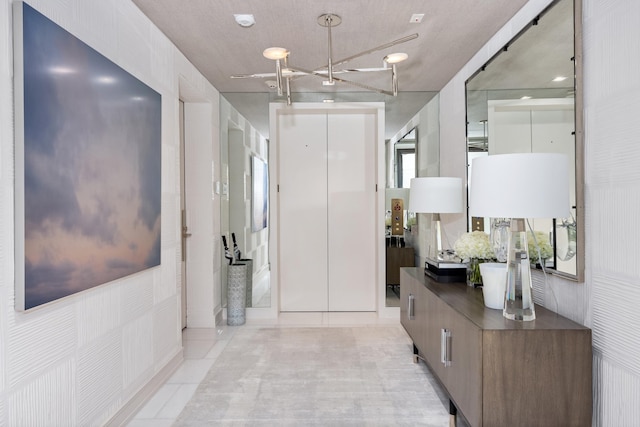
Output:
x=527 y=98
x=399 y=251
x=237 y=144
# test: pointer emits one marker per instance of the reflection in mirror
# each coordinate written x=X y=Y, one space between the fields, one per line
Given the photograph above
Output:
x=399 y=246
x=241 y=147
x=524 y=100
x=244 y=118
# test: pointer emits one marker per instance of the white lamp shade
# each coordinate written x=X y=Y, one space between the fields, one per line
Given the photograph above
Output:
x=522 y=185
x=436 y=195
x=396 y=193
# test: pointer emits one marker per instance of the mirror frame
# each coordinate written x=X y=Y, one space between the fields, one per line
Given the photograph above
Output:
x=578 y=129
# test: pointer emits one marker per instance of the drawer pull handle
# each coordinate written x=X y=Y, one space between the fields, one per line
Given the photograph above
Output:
x=411 y=307
x=445 y=347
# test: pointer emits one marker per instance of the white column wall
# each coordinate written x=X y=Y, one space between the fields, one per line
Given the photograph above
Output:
x=91 y=357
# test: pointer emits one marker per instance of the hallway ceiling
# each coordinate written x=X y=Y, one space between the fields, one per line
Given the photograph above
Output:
x=451 y=32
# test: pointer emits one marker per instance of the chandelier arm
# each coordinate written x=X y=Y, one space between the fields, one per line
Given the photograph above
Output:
x=349 y=82
x=279 y=77
x=375 y=49
x=394 y=80
x=364 y=86
x=253 y=76
x=366 y=52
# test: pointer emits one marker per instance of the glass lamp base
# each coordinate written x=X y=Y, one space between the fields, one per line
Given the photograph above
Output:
x=518 y=303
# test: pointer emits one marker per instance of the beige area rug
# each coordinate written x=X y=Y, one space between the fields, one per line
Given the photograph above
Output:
x=360 y=376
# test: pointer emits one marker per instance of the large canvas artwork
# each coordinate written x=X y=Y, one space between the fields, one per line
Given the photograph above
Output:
x=259 y=193
x=88 y=165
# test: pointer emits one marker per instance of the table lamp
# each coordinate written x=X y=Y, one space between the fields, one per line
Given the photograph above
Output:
x=438 y=195
x=519 y=186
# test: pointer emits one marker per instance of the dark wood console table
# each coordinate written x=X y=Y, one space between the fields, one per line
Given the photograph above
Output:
x=398 y=257
x=498 y=372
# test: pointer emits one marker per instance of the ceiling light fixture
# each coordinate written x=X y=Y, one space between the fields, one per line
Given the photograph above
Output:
x=275 y=53
x=394 y=58
x=560 y=79
x=245 y=20
x=285 y=72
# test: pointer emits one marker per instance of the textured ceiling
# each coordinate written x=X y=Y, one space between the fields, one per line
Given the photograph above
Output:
x=450 y=33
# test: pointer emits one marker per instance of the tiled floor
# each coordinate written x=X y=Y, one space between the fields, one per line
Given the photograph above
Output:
x=201 y=349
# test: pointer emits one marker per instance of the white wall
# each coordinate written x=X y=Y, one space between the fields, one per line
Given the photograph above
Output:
x=81 y=360
x=609 y=298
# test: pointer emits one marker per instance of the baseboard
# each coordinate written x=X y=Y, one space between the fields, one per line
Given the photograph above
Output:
x=220 y=317
x=131 y=408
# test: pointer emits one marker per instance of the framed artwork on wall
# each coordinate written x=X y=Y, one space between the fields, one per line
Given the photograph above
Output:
x=88 y=165
x=259 y=193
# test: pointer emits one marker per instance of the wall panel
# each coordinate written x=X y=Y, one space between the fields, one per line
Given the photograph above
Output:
x=37 y=342
x=137 y=352
x=139 y=299
x=47 y=400
x=98 y=314
x=166 y=337
x=98 y=382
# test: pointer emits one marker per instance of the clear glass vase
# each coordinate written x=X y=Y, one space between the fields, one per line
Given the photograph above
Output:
x=474 y=278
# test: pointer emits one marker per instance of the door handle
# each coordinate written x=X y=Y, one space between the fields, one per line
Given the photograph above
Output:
x=411 y=307
x=445 y=347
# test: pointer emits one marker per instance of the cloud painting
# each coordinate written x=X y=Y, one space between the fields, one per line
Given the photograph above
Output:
x=92 y=166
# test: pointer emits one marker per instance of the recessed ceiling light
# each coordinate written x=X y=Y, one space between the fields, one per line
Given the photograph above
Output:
x=416 y=18
x=244 y=20
x=560 y=79
x=61 y=70
x=526 y=97
x=105 y=80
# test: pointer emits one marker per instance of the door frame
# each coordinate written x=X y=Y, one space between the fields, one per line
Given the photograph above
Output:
x=275 y=111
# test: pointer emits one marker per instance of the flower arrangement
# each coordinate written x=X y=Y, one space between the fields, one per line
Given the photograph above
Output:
x=474 y=245
x=542 y=238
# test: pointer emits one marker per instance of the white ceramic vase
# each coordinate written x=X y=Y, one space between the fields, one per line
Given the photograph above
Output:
x=494 y=283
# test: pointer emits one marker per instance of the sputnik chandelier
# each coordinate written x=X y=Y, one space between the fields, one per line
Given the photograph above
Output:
x=285 y=72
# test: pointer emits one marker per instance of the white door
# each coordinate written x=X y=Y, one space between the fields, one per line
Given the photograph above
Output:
x=327 y=195
x=351 y=212
x=302 y=160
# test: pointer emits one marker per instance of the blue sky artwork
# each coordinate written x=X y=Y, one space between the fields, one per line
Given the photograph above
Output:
x=92 y=166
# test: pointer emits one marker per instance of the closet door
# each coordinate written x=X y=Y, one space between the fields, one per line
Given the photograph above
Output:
x=351 y=211
x=302 y=163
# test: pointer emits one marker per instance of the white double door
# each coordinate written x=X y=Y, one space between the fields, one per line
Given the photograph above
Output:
x=327 y=216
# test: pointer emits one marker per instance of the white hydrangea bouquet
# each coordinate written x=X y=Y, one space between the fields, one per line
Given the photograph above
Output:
x=474 y=245
x=542 y=238
x=474 y=248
